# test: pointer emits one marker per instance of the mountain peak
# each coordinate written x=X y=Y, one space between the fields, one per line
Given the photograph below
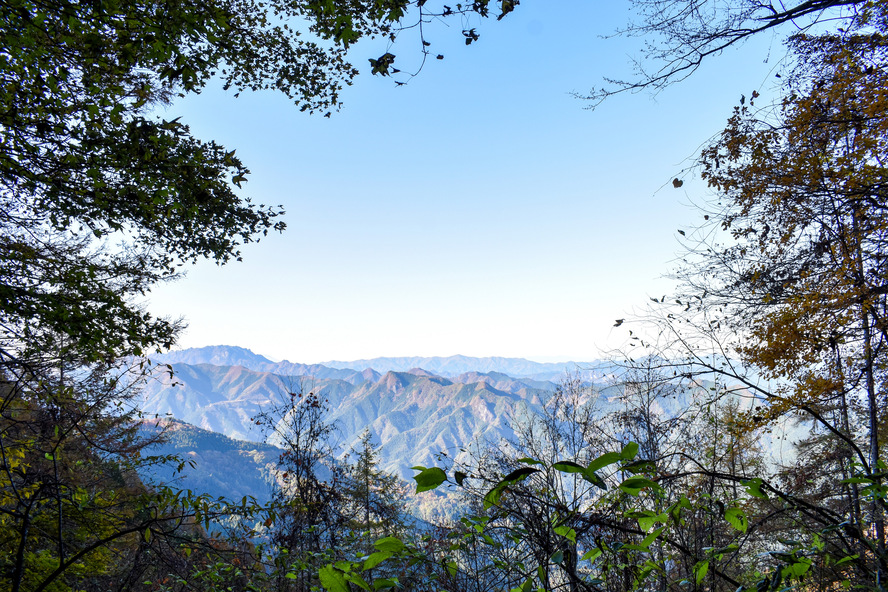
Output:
x=217 y=355
x=448 y=367
x=371 y=375
x=394 y=382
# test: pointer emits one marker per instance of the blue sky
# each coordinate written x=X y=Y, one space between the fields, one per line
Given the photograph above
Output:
x=479 y=210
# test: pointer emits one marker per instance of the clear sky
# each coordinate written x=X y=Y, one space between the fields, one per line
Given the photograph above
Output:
x=478 y=210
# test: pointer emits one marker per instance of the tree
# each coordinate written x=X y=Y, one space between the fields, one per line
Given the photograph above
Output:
x=807 y=211
x=374 y=498
x=82 y=165
x=784 y=300
x=681 y=34
x=308 y=525
x=781 y=318
x=100 y=200
x=373 y=504
x=72 y=507
x=559 y=506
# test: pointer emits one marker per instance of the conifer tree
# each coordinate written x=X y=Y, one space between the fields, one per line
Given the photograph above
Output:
x=374 y=497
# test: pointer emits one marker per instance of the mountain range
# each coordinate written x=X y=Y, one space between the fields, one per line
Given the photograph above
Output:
x=415 y=416
x=412 y=415
x=449 y=367
x=209 y=399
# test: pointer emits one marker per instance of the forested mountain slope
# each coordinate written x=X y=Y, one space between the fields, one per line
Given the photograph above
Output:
x=413 y=415
x=214 y=463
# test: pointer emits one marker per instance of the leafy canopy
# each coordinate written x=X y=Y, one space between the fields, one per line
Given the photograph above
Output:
x=100 y=200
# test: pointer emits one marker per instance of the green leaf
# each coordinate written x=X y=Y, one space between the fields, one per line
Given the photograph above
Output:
x=375 y=559
x=729 y=549
x=847 y=559
x=754 y=488
x=567 y=532
x=527 y=586
x=593 y=478
x=646 y=519
x=640 y=466
x=494 y=495
x=630 y=451
x=557 y=557
x=700 y=570
x=332 y=579
x=384 y=583
x=529 y=461
x=634 y=485
x=429 y=478
x=519 y=475
x=390 y=544
x=566 y=466
x=797 y=569
x=857 y=480
x=592 y=554
x=737 y=519
x=604 y=460
x=652 y=537
x=675 y=509
x=357 y=580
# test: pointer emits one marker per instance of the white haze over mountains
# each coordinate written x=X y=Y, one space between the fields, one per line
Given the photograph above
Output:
x=415 y=408
x=228 y=355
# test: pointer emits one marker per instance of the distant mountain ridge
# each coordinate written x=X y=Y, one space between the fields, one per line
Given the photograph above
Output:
x=415 y=407
x=413 y=415
x=450 y=366
x=458 y=364
x=218 y=355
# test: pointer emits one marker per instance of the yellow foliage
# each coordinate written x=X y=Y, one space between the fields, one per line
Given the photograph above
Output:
x=808 y=208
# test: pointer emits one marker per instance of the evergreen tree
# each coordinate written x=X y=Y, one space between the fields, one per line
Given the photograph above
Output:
x=374 y=497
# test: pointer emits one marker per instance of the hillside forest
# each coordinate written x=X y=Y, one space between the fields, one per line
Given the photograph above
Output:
x=779 y=320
